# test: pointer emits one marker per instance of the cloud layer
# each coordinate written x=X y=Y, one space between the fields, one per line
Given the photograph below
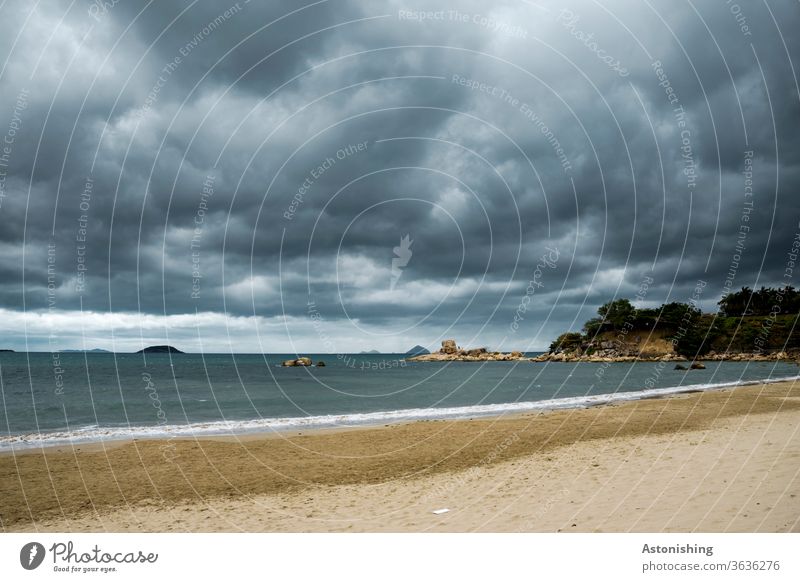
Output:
x=213 y=164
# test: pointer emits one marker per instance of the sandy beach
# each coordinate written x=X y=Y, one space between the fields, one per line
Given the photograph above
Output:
x=720 y=461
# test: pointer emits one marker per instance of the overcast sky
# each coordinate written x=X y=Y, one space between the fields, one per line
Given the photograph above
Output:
x=234 y=176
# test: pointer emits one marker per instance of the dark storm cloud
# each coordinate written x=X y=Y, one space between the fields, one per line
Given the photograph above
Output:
x=246 y=159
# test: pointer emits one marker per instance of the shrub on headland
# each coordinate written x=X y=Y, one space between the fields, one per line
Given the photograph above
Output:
x=567 y=341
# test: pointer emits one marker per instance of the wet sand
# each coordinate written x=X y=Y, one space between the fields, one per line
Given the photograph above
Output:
x=725 y=460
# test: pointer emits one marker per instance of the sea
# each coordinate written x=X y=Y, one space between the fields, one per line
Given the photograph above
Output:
x=68 y=398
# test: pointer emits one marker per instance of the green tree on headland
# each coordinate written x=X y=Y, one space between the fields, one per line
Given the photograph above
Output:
x=612 y=315
x=783 y=301
x=694 y=334
x=615 y=314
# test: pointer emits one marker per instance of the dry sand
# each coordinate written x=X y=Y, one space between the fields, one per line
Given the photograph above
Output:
x=714 y=461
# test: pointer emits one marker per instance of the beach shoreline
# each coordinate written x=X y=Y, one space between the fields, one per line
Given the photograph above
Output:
x=345 y=479
x=107 y=437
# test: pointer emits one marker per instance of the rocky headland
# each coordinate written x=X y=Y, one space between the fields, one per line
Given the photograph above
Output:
x=451 y=352
x=759 y=326
x=750 y=326
x=615 y=351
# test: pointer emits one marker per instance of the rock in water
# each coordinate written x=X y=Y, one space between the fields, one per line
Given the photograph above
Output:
x=698 y=366
x=303 y=362
x=449 y=346
x=320 y=364
x=288 y=363
x=679 y=367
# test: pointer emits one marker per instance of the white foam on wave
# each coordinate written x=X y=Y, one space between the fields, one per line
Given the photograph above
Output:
x=236 y=427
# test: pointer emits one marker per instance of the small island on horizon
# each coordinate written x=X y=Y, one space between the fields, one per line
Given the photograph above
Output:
x=418 y=350
x=160 y=350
